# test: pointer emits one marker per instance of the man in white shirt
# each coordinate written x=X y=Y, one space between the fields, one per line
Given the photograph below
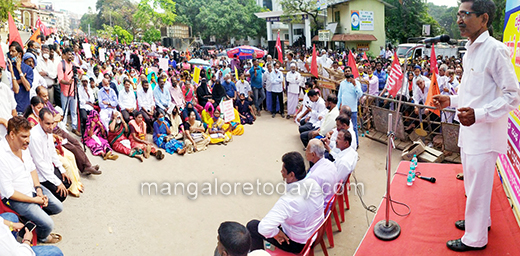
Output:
x=323 y=171
x=51 y=172
x=48 y=69
x=317 y=112
x=127 y=101
x=86 y=101
x=7 y=107
x=347 y=157
x=294 y=81
x=488 y=92
x=19 y=183
x=296 y=215
x=417 y=75
x=146 y=102
x=342 y=123
x=243 y=87
x=327 y=123
x=277 y=91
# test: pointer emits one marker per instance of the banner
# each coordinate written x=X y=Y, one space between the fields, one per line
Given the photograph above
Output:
x=226 y=108
x=88 y=52
x=102 y=54
x=509 y=164
x=163 y=63
x=196 y=75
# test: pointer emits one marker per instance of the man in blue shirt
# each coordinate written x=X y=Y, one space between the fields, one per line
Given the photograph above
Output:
x=107 y=103
x=349 y=94
x=163 y=98
x=381 y=75
x=23 y=76
x=229 y=86
x=256 y=83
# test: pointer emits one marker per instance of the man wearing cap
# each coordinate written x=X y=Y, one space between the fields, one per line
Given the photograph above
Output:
x=30 y=59
x=48 y=70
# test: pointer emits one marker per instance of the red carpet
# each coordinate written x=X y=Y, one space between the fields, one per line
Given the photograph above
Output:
x=435 y=208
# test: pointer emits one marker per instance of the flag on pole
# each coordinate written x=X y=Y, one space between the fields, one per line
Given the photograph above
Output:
x=352 y=64
x=2 y=60
x=236 y=73
x=395 y=79
x=14 y=35
x=279 y=48
x=365 y=56
x=434 y=90
x=314 y=62
x=35 y=36
x=433 y=61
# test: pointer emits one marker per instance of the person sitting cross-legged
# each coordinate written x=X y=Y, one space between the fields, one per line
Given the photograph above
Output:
x=296 y=215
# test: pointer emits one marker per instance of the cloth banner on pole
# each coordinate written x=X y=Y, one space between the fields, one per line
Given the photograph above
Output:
x=88 y=52
x=196 y=75
x=163 y=63
x=395 y=79
x=226 y=108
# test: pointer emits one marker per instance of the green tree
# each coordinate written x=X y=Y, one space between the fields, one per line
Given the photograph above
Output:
x=155 y=13
x=124 y=36
x=86 y=19
x=7 y=6
x=406 y=20
x=152 y=35
x=498 y=22
x=291 y=9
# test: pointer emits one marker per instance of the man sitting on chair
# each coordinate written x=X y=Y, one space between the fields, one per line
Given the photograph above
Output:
x=345 y=156
x=296 y=215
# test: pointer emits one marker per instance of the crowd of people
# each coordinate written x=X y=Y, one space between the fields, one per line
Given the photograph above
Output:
x=122 y=101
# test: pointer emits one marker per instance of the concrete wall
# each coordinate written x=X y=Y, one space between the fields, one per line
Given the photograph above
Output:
x=361 y=5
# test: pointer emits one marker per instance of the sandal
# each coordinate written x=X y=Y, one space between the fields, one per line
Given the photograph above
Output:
x=460 y=176
x=55 y=238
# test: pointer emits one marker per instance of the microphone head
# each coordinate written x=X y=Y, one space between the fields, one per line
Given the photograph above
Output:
x=444 y=38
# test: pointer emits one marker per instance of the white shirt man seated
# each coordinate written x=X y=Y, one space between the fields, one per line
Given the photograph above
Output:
x=296 y=215
x=322 y=171
x=45 y=157
x=19 y=183
x=347 y=158
x=342 y=122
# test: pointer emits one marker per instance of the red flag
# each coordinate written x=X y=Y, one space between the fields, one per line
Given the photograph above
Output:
x=365 y=56
x=434 y=90
x=279 y=48
x=314 y=62
x=2 y=60
x=14 y=35
x=433 y=61
x=352 y=64
x=117 y=40
x=395 y=79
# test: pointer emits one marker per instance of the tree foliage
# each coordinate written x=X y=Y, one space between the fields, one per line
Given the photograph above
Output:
x=147 y=15
x=293 y=7
x=7 y=6
x=152 y=35
x=406 y=20
x=124 y=36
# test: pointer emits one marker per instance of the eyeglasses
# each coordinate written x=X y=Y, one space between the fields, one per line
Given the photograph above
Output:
x=464 y=14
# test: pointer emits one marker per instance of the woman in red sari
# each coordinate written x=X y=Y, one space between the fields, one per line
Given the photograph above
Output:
x=118 y=140
x=138 y=137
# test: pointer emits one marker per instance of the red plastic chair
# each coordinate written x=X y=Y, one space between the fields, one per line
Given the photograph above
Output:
x=308 y=250
x=331 y=208
x=344 y=198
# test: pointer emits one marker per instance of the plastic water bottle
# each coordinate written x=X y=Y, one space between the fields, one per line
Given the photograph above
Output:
x=413 y=171
x=409 y=179
x=414 y=161
x=268 y=246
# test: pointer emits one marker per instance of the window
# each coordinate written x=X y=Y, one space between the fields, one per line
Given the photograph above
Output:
x=286 y=36
x=336 y=16
x=298 y=31
x=268 y=4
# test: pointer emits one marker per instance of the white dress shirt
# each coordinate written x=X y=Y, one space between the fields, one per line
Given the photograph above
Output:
x=146 y=100
x=294 y=80
x=86 y=96
x=38 y=80
x=333 y=149
x=276 y=81
x=318 y=110
x=419 y=96
x=9 y=245
x=299 y=211
x=127 y=99
x=15 y=174
x=345 y=162
x=490 y=87
x=243 y=87
x=329 y=121
x=324 y=172
x=44 y=155
x=50 y=67
x=266 y=80
x=7 y=105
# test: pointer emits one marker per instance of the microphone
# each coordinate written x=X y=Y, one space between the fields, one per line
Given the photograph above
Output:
x=430 y=179
x=441 y=38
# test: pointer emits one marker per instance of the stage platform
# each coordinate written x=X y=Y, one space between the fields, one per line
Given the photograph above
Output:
x=434 y=209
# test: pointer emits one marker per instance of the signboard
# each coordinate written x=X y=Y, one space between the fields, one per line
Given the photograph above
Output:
x=163 y=63
x=324 y=35
x=363 y=47
x=366 y=20
x=227 y=110
x=426 y=30
x=354 y=20
x=86 y=50
x=509 y=163
x=286 y=19
x=321 y=4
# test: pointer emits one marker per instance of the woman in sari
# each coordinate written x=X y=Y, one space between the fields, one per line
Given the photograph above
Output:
x=96 y=138
x=188 y=91
x=152 y=79
x=245 y=111
x=235 y=127
x=163 y=137
x=216 y=130
x=138 y=137
x=195 y=138
x=118 y=140
x=33 y=110
x=186 y=112
x=207 y=113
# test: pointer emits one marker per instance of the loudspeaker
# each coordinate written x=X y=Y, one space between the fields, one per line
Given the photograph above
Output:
x=165 y=42
x=271 y=50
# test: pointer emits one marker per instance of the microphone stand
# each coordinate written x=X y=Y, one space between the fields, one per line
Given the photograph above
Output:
x=388 y=229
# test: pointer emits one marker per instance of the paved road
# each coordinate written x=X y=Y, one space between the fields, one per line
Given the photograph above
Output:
x=113 y=218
